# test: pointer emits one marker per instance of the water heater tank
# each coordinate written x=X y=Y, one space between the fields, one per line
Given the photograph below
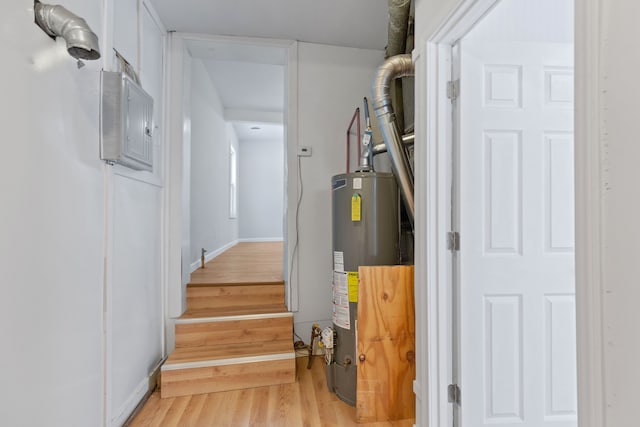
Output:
x=365 y=232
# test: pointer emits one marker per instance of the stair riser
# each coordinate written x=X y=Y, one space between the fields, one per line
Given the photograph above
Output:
x=184 y=382
x=204 y=297
x=233 y=332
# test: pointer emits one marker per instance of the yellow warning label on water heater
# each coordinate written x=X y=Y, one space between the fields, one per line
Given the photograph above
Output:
x=356 y=203
x=352 y=281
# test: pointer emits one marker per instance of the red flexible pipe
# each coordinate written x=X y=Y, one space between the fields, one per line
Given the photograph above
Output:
x=356 y=115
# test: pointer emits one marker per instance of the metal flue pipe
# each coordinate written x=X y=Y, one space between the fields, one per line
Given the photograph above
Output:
x=381 y=147
x=56 y=21
x=394 y=67
x=366 y=158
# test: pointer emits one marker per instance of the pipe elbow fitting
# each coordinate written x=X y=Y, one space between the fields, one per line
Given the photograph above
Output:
x=394 y=67
x=56 y=21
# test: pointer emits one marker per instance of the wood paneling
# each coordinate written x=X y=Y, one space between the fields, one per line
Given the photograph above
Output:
x=306 y=402
x=386 y=344
x=244 y=262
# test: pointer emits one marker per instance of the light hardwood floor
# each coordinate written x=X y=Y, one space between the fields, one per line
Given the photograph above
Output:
x=244 y=262
x=307 y=402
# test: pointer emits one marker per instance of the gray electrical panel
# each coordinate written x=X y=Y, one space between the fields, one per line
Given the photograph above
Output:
x=126 y=116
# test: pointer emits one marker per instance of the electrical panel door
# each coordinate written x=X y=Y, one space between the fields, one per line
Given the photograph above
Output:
x=126 y=122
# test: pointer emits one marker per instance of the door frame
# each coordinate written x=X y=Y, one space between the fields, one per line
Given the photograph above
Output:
x=179 y=135
x=433 y=274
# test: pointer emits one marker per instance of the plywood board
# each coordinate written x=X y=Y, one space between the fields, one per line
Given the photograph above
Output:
x=386 y=344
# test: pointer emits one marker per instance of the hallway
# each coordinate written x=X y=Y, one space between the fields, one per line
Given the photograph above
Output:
x=245 y=262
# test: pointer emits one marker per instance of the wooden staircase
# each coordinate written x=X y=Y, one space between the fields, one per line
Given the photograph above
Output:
x=232 y=336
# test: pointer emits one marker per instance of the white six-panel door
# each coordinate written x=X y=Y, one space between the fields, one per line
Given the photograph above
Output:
x=516 y=260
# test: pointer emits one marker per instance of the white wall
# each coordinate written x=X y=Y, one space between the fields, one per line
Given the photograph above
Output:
x=52 y=227
x=134 y=220
x=73 y=233
x=211 y=227
x=261 y=190
x=331 y=83
x=430 y=14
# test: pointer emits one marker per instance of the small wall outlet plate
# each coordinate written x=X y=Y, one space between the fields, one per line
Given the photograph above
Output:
x=304 y=151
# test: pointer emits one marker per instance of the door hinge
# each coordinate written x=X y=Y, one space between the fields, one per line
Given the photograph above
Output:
x=453 y=89
x=453 y=393
x=453 y=241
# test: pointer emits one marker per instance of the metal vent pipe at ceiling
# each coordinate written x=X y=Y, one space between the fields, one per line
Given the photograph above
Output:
x=394 y=67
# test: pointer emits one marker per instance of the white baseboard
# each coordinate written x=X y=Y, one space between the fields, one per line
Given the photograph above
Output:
x=211 y=255
x=134 y=403
x=261 y=239
x=127 y=407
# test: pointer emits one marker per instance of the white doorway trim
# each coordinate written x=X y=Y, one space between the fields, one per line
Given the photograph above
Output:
x=433 y=212
x=588 y=184
x=177 y=133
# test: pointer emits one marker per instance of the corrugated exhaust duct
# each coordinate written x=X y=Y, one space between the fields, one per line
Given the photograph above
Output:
x=394 y=67
x=399 y=11
x=400 y=41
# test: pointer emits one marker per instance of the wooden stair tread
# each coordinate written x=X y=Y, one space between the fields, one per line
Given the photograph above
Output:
x=195 y=313
x=229 y=351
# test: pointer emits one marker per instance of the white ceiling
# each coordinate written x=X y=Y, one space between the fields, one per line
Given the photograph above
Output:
x=239 y=51
x=250 y=82
x=248 y=85
x=352 y=23
x=267 y=131
x=250 y=79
